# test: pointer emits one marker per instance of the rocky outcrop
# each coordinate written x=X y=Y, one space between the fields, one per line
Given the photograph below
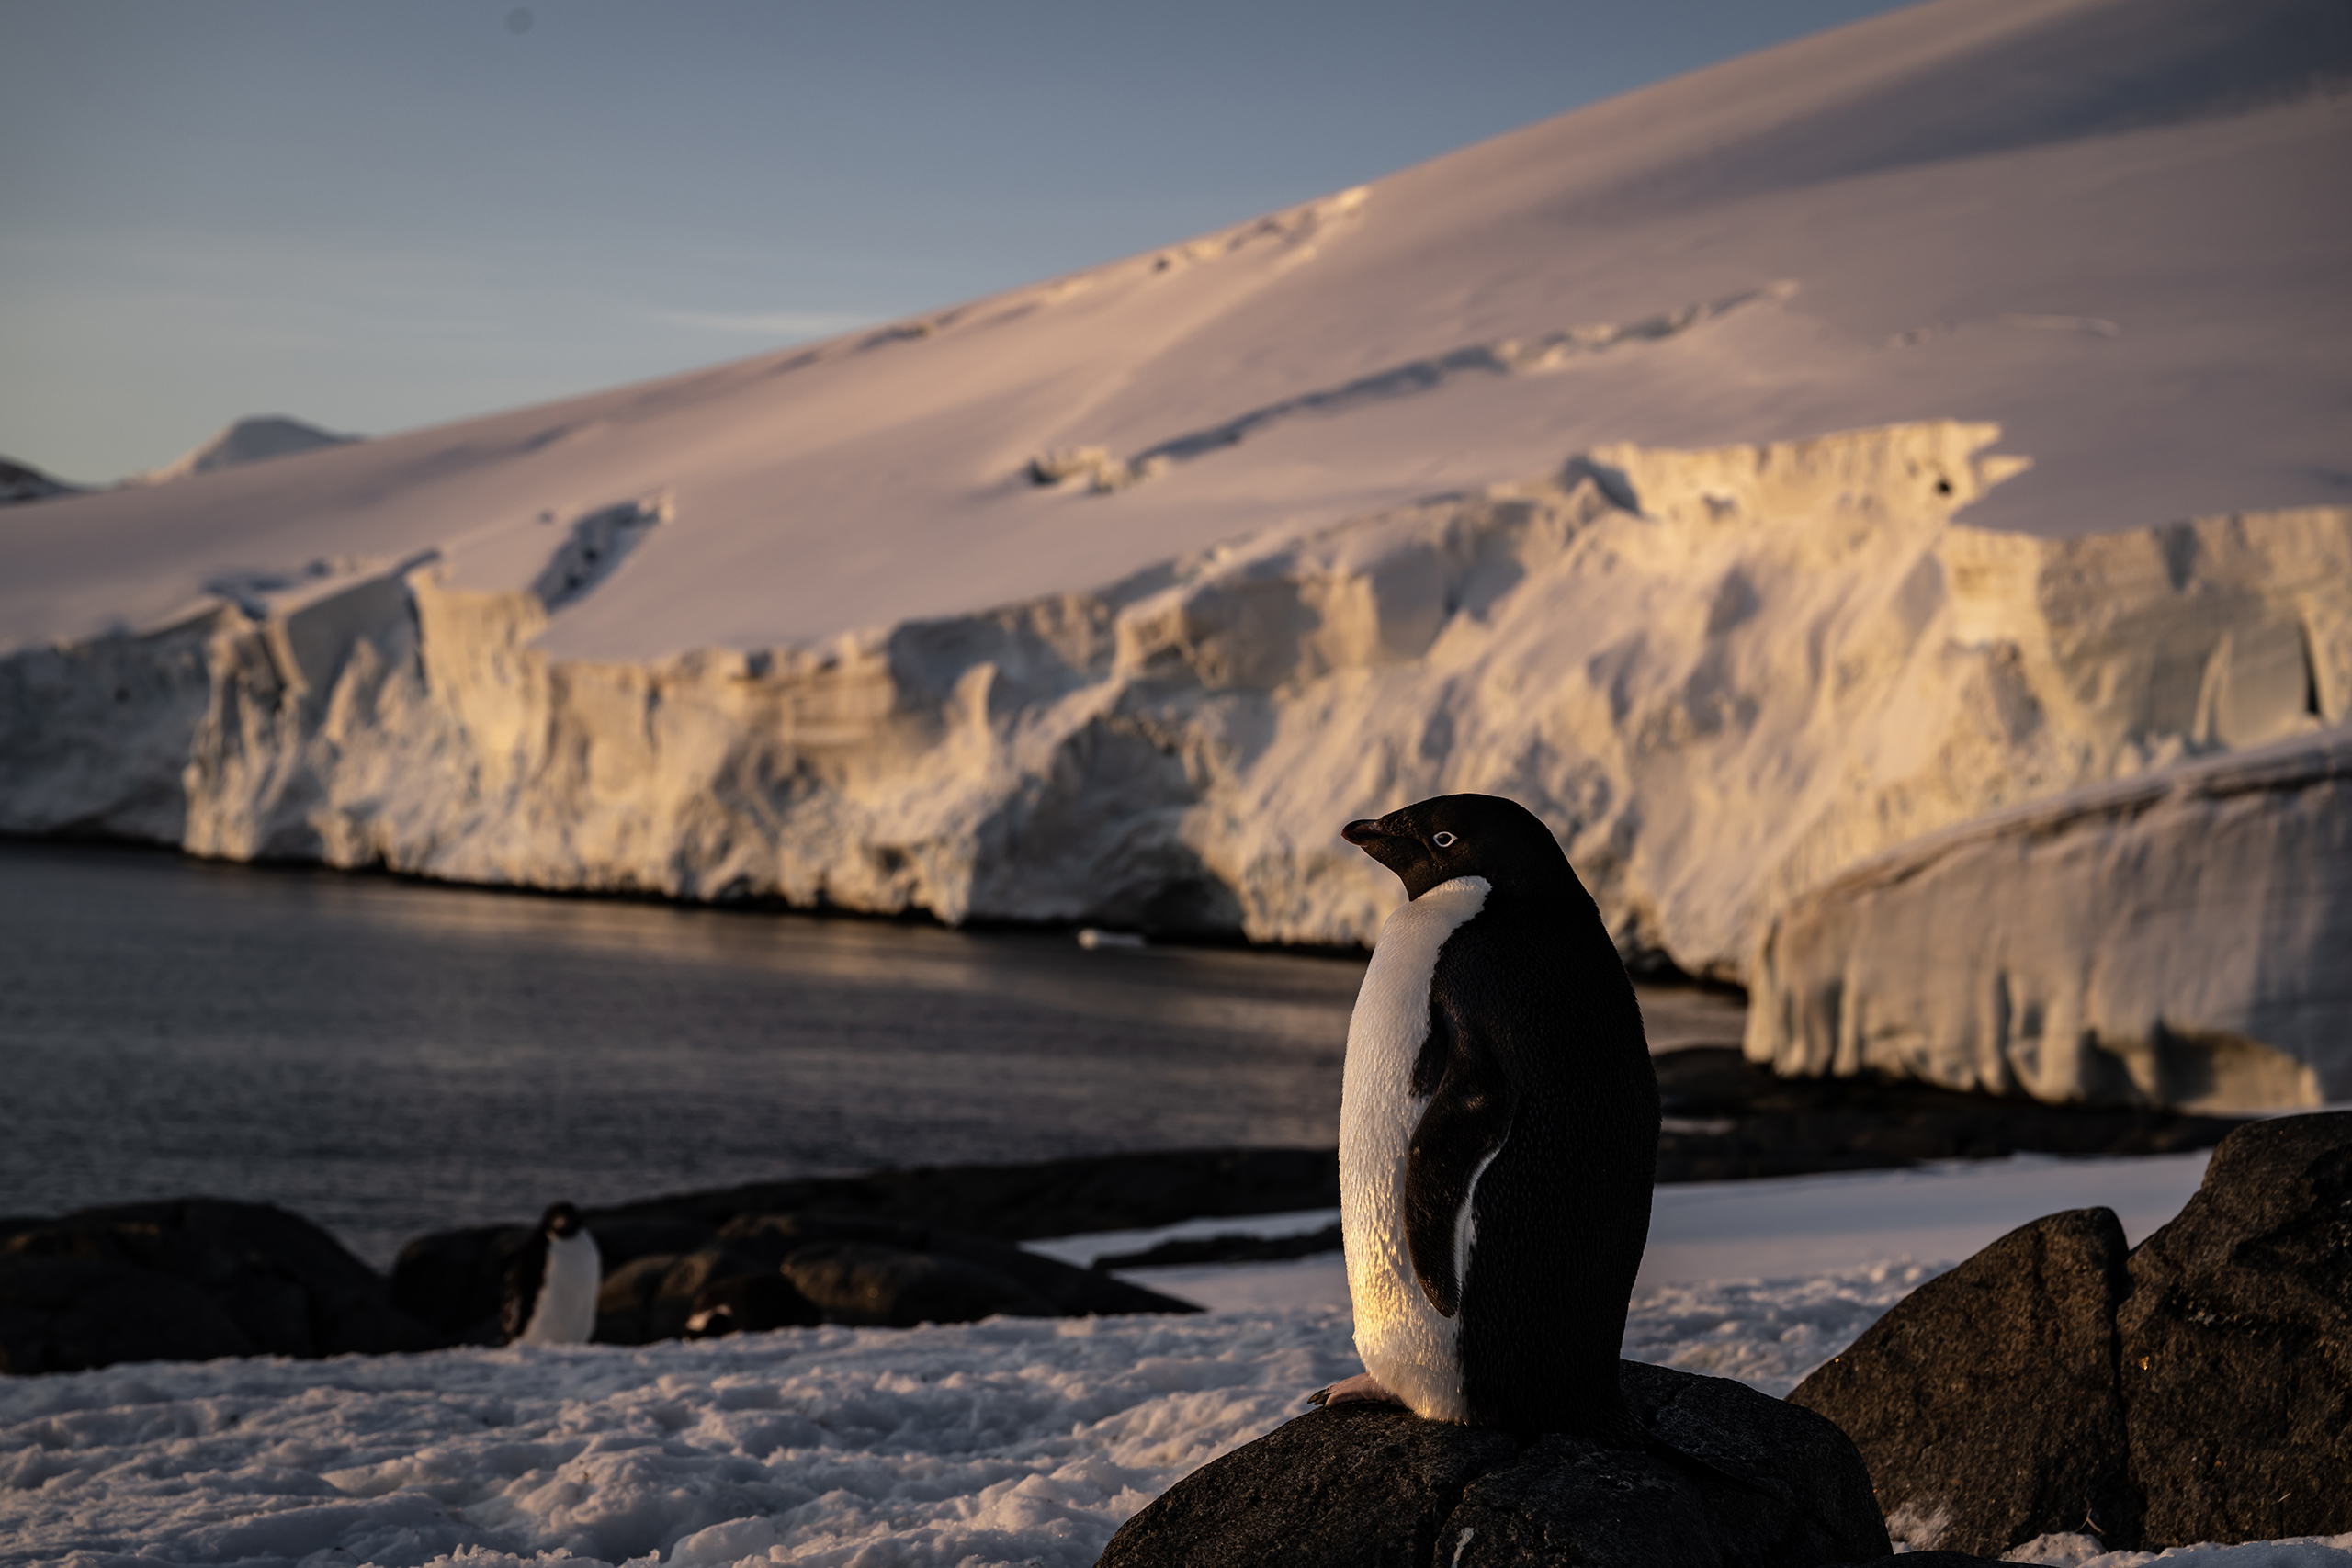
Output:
x=1723 y=678
x=2174 y=938
x=2198 y=1389
x=671 y=1276
x=22 y=483
x=1376 y=1485
x=1987 y=1402
x=187 y=1279
x=2236 y=1343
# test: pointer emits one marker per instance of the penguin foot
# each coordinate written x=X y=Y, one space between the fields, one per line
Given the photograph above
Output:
x=1361 y=1389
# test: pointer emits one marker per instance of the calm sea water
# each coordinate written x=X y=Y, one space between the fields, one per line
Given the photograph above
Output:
x=388 y=1059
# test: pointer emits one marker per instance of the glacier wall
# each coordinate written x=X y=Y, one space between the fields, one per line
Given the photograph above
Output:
x=1722 y=677
x=2180 y=938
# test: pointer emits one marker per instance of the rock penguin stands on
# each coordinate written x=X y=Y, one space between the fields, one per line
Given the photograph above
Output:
x=1498 y=1127
x=552 y=1285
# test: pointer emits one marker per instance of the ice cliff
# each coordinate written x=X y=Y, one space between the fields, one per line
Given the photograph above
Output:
x=1725 y=678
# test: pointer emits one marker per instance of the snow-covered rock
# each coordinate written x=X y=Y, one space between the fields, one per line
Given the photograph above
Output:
x=246 y=441
x=1108 y=599
x=2178 y=937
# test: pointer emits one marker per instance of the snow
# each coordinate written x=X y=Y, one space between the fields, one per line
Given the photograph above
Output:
x=1702 y=1233
x=252 y=440
x=1935 y=190
x=2175 y=937
x=1011 y=1441
x=1505 y=473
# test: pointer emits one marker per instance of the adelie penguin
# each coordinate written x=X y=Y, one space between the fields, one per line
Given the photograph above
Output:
x=551 y=1284
x=1498 y=1127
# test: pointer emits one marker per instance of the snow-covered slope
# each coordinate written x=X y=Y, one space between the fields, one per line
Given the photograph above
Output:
x=246 y=441
x=2039 y=213
x=1111 y=598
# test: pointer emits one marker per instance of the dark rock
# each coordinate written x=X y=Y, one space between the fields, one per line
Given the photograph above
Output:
x=748 y=1303
x=1230 y=1247
x=1369 y=1484
x=2237 y=1343
x=454 y=1281
x=1360 y=1483
x=282 y=1285
x=627 y=1295
x=621 y=1242
x=68 y=1314
x=1827 y=1509
x=1932 y=1560
x=1986 y=1403
x=1728 y=1119
x=1016 y=1202
x=863 y=1283
x=684 y=1282
x=660 y=1270
x=1072 y=1292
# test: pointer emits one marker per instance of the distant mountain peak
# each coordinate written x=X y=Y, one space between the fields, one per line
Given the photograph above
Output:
x=21 y=481
x=247 y=441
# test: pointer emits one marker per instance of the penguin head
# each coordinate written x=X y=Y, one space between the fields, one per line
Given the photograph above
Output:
x=561 y=1219
x=1435 y=841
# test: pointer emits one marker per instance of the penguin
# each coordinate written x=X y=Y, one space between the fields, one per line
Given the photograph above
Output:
x=1498 y=1127
x=552 y=1282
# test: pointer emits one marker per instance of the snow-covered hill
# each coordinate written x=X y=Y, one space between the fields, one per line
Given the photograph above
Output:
x=1111 y=598
x=250 y=440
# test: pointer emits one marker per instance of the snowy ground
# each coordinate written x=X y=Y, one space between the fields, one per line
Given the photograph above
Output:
x=1010 y=1442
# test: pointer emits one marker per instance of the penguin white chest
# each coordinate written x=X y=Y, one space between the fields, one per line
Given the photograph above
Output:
x=1404 y=1341
x=566 y=1312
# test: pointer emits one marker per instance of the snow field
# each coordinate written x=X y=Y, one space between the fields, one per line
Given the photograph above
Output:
x=1006 y=1442
x=1009 y=1441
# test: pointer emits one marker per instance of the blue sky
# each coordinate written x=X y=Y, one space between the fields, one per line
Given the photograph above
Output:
x=378 y=216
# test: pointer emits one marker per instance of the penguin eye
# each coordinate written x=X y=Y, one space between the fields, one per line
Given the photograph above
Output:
x=1443 y=840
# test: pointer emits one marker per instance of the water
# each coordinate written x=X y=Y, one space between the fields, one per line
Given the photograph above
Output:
x=388 y=1059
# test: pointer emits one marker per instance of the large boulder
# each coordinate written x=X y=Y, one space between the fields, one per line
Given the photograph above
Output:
x=66 y=1314
x=454 y=1281
x=187 y=1278
x=2237 y=1343
x=1985 y=1404
x=1374 y=1484
x=2198 y=1389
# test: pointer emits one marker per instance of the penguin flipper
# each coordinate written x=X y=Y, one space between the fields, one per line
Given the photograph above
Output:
x=1464 y=1127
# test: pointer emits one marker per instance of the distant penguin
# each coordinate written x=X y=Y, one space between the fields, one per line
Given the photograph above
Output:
x=1498 y=1127
x=551 y=1284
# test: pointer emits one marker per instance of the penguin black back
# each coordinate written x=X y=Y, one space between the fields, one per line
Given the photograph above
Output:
x=1528 y=1175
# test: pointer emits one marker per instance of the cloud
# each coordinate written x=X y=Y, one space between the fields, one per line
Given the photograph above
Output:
x=767 y=323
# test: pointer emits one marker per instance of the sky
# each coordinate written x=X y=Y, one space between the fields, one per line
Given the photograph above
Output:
x=377 y=217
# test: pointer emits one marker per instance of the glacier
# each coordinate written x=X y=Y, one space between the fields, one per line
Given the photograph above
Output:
x=1724 y=678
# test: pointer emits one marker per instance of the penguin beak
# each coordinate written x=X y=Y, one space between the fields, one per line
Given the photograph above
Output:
x=1400 y=852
